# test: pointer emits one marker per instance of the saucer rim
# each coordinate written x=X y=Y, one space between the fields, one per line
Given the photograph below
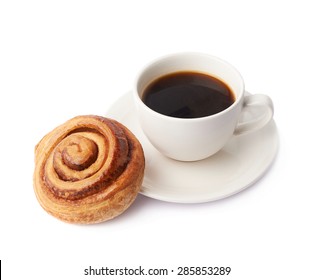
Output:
x=114 y=113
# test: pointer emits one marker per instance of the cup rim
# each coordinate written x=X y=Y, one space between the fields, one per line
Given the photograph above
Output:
x=158 y=59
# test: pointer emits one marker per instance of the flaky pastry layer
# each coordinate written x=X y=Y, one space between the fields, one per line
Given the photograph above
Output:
x=88 y=170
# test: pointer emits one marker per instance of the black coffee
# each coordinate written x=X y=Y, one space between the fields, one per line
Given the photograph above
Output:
x=188 y=95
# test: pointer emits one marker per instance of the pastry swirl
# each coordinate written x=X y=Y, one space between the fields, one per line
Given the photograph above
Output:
x=88 y=170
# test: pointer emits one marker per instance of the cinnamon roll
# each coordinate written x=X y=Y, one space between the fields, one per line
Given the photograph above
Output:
x=88 y=170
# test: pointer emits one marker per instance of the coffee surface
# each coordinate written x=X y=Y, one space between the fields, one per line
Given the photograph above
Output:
x=188 y=95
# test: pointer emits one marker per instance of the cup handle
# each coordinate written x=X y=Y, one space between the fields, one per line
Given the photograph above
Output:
x=252 y=102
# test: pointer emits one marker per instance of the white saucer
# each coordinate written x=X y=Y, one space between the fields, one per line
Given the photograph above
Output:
x=237 y=166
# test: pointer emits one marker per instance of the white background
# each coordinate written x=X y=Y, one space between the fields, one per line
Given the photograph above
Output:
x=64 y=58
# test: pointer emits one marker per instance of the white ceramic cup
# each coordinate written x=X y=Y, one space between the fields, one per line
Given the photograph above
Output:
x=191 y=139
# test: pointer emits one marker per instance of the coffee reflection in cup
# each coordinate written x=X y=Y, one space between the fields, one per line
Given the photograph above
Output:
x=188 y=95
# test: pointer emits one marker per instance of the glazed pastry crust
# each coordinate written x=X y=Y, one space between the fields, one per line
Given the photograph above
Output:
x=88 y=170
